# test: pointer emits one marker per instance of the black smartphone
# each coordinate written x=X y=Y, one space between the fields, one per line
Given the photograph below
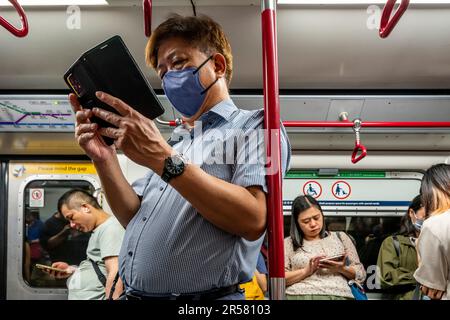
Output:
x=109 y=67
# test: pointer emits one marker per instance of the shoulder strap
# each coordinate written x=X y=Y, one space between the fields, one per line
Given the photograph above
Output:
x=113 y=287
x=347 y=260
x=101 y=277
x=396 y=245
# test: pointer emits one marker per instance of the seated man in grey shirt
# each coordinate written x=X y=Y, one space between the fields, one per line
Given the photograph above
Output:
x=94 y=278
x=195 y=222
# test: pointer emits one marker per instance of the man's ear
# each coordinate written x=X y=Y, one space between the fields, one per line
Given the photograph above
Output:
x=220 y=65
x=85 y=208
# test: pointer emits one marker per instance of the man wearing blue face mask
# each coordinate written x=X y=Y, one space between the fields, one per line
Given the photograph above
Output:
x=195 y=222
x=184 y=89
x=397 y=258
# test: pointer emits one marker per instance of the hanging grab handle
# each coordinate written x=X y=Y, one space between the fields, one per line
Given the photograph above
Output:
x=387 y=24
x=147 y=4
x=358 y=146
x=8 y=26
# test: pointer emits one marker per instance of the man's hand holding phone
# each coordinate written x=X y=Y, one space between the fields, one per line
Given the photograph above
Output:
x=59 y=270
x=87 y=135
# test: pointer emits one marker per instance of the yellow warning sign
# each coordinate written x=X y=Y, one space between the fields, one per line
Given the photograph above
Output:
x=52 y=168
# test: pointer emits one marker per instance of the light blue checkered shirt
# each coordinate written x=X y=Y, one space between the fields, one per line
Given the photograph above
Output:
x=168 y=246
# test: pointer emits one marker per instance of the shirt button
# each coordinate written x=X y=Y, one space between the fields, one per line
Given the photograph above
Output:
x=130 y=253
x=144 y=218
x=161 y=188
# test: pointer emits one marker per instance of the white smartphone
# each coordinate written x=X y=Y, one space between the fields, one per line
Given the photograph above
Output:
x=337 y=257
x=49 y=268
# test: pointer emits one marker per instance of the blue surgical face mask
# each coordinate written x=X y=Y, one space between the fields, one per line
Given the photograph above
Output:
x=184 y=89
x=418 y=224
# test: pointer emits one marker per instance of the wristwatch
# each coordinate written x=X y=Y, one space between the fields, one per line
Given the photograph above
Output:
x=173 y=167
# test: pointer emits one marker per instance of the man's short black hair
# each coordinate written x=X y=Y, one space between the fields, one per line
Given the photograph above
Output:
x=74 y=198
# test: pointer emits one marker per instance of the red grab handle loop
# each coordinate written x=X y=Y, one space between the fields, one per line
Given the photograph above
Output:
x=8 y=26
x=358 y=147
x=357 y=124
x=147 y=5
x=386 y=25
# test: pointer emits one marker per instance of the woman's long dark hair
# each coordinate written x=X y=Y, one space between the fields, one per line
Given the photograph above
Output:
x=406 y=226
x=435 y=189
x=299 y=205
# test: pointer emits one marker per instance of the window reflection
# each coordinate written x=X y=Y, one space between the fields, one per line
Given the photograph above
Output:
x=47 y=235
x=367 y=232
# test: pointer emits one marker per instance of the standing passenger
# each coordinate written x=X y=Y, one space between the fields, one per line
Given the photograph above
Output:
x=434 y=241
x=62 y=242
x=397 y=259
x=194 y=227
x=308 y=276
x=33 y=231
x=94 y=278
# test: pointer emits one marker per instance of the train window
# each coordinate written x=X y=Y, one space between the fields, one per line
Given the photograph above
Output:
x=367 y=205
x=367 y=233
x=48 y=237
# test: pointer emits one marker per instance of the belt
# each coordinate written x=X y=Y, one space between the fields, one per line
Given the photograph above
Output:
x=213 y=294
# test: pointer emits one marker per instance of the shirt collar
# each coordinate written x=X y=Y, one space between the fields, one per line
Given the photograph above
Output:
x=224 y=109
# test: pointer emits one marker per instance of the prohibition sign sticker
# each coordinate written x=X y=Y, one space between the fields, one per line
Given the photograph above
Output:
x=36 y=197
x=312 y=188
x=341 y=190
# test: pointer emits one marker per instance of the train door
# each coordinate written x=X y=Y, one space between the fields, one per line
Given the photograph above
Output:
x=367 y=205
x=3 y=208
x=33 y=225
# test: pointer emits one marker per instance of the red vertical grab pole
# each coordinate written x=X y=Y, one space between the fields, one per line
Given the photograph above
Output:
x=272 y=126
x=147 y=6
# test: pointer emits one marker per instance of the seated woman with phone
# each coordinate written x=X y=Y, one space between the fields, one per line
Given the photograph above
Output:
x=318 y=263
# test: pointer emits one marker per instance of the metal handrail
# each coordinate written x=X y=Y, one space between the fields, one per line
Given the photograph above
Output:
x=23 y=17
x=379 y=124
x=171 y=123
x=343 y=124
x=357 y=125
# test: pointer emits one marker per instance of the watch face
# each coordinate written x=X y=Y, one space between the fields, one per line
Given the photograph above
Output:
x=175 y=166
x=177 y=160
